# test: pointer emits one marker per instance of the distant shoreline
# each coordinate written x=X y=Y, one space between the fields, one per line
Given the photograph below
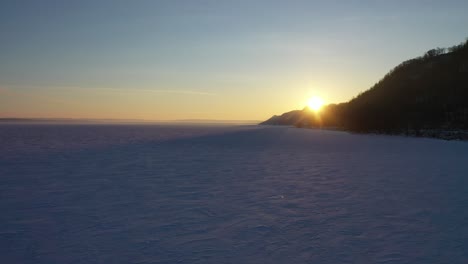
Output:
x=125 y=121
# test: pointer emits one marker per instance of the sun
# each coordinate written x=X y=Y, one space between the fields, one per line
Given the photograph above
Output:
x=315 y=103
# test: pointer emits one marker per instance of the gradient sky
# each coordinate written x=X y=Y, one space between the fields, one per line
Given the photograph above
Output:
x=201 y=59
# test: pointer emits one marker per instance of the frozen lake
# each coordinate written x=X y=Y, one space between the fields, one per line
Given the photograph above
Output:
x=247 y=194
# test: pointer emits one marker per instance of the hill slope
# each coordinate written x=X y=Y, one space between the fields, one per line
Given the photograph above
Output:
x=428 y=92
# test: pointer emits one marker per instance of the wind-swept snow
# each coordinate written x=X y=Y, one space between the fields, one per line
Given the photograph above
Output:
x=229 y=195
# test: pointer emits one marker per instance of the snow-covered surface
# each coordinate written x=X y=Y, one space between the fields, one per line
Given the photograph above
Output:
x=155 y=194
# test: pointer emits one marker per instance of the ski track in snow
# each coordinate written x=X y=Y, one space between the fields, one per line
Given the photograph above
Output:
x=173 y=194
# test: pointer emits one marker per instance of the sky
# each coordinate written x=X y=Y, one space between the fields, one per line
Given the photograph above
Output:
x=199 y=59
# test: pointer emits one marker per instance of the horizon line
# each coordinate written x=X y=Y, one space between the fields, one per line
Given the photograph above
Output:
x=194 y=120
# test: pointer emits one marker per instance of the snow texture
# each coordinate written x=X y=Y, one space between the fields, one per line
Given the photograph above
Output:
x=175 y=194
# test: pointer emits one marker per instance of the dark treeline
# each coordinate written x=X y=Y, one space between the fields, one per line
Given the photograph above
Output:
x=425 y=93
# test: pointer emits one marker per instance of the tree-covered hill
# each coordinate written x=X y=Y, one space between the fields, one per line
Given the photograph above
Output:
x=425 y=93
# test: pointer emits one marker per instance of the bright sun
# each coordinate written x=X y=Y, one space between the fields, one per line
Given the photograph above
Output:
x=315 y=103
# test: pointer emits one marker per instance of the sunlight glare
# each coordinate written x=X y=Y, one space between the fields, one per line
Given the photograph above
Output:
x=315 y=103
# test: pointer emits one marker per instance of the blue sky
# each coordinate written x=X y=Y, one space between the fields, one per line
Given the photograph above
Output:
x=207 y=59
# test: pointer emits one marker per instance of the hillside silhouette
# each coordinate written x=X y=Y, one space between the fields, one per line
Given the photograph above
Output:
x=427 y=94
